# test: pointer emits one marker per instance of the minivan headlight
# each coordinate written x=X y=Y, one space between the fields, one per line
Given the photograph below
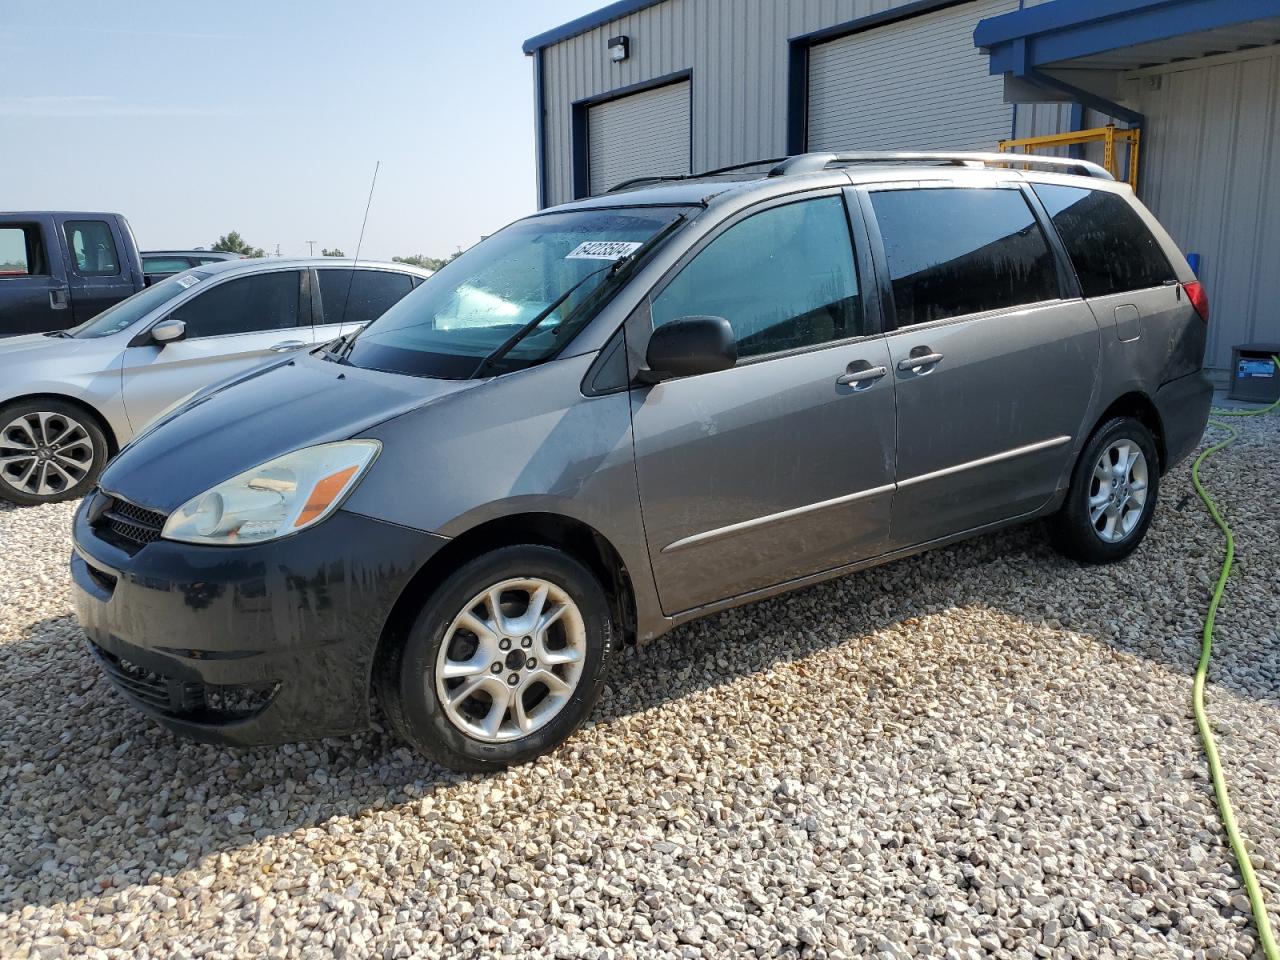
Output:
x=280 y=497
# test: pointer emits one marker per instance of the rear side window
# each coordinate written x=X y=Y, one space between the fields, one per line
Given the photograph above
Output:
x=360 y=298
x=783 y=278
x=264 y=301
x=164 y=264
x=22 y=252
x=954 y=251
x=1109 y=245
x=93 y=249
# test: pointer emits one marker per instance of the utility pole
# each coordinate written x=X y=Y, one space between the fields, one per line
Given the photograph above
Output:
x=277 y=249
x=312 y=245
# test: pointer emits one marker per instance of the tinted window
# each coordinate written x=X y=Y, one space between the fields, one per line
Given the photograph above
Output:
x=22 y=252
x=1109 y=245
x=366 y=296
x=953 y=251
x=132 y=309
x=783 y=278
x=264 y=301
x=165 y=264
x=93 y=250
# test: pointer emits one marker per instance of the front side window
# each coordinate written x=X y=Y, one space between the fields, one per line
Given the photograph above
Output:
x=552 y=268
x=783 y=278
x=93 y=249
x=360 y=296
x=263 y=301
x=129 y=311
x=1109 y=245
x=952 y=251
x=22 y=252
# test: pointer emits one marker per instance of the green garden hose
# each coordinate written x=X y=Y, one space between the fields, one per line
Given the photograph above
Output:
x=1269 y=948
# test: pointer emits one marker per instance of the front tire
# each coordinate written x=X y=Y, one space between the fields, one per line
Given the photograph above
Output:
x=50 y=450
x=1114 y=488
x=504 y=661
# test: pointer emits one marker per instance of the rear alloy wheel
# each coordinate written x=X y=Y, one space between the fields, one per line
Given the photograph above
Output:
x=504 y=661
x=1113 y=494
x=49 y=451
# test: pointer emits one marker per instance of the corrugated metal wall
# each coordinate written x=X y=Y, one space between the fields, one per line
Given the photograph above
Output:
x=1212 y=175
x=737 y=50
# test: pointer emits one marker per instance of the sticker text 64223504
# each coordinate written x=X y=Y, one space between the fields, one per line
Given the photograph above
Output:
x=603 y=250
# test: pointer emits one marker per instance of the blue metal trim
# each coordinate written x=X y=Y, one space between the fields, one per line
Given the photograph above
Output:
x=539 y=128
x=797 y=97
x=587 y=22
x=1076 y=150
x=1069 y=29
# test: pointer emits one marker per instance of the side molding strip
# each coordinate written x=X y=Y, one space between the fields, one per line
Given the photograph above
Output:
x=733 y=528
x=719 y=532
x=984 y=461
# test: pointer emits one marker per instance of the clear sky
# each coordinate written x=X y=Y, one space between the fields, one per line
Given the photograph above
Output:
x=267 y=117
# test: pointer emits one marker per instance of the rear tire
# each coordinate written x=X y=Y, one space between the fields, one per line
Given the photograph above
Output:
x=50 y=450
x=1113 y=494
x=504 y=661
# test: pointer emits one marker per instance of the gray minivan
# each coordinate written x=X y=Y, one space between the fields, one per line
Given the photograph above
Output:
x=626 y=412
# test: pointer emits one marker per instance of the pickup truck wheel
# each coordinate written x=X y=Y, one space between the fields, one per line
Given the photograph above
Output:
x=1113 y=494
x=505 y=660
x=50 y=450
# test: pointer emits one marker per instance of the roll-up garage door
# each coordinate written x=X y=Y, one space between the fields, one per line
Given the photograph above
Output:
x=919 y=84
x=641 y=135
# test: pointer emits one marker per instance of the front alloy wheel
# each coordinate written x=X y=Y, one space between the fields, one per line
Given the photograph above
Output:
x=511 y=660
x=49 y=451
x=504 y=660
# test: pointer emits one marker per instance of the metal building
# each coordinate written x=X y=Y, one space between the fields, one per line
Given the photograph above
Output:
x=645 y=87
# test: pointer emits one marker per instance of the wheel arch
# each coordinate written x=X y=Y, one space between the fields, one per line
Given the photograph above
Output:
x=113 y=443
x=1142 y=408
x=576 y=538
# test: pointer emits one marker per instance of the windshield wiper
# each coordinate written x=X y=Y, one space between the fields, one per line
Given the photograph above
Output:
x=61 y=334
x=338 y=350
x=614 y=270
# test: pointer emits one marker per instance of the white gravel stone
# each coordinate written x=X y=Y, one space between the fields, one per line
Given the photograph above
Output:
x=985 y=751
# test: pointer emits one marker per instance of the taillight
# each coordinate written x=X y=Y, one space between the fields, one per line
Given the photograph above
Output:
x=1199 y=299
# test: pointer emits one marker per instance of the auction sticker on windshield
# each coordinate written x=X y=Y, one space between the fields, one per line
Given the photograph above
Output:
x=603 y=250
x=188 y=281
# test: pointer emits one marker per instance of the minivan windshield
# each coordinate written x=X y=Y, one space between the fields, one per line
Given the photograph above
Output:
x=132 y=309
x=471 y=309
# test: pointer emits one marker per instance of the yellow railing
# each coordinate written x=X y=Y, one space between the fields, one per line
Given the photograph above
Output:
x=1108 y=136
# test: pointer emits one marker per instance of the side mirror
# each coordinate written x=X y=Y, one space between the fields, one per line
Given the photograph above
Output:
x=690 y=346
x=167 y=331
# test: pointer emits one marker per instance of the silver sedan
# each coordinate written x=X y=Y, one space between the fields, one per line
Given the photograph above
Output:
x=69 y=400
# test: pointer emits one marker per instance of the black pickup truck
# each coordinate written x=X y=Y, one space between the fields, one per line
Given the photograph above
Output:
x=58 y=269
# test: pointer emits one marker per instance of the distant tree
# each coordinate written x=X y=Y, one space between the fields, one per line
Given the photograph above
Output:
x=234 y=243
x=335 y=252
x=421 y=260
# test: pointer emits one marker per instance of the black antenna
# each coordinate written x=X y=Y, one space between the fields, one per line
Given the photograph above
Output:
x=360 y=242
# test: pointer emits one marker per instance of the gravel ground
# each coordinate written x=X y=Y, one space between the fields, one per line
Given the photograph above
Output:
x=984 y=751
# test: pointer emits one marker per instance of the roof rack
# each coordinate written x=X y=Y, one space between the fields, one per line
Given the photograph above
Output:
x=813 y=162
x=665 y=178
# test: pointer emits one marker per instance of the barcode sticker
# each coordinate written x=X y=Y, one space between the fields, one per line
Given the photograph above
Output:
x=188 y=281
x=603 y=250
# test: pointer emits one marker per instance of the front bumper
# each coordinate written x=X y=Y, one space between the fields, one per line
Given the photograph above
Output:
x=247 y=645
x=1183 y=405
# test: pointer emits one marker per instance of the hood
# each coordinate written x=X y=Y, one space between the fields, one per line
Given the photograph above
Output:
x=29 y=347
x=249 y=420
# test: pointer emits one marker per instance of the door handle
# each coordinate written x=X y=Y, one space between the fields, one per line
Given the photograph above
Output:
x=916 y=361
x=58 y=299
x=862 y=377
x=287 y=345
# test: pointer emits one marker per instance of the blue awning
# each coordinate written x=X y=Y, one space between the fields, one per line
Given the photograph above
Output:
x=1123 y=34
